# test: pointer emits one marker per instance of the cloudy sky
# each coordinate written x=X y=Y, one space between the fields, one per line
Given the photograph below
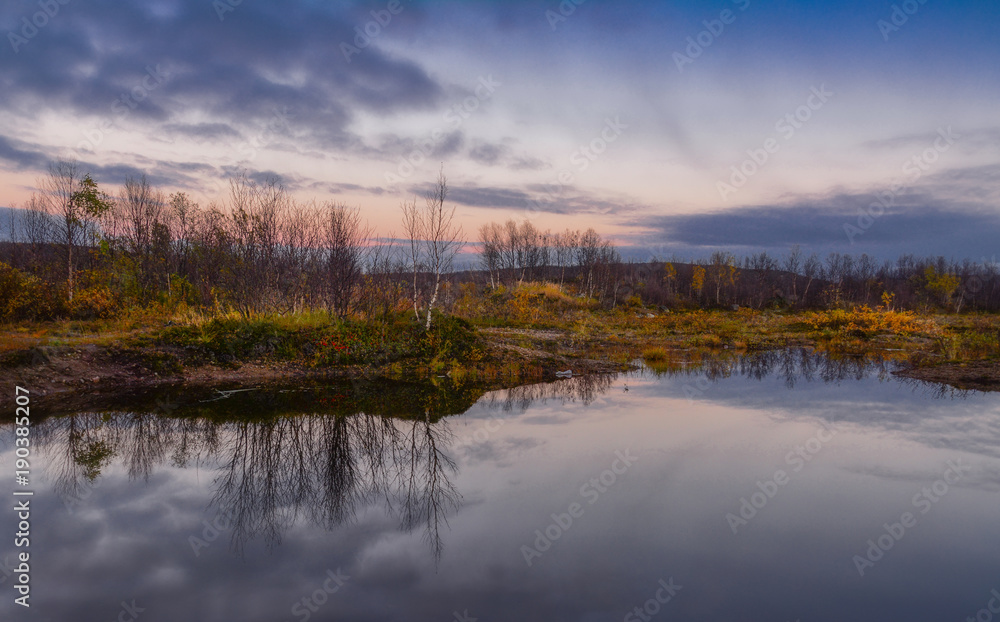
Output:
x=852 y=126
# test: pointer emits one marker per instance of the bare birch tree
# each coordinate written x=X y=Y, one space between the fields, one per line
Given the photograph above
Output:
x=434 y=239
x=442 y=238
x=414 y=226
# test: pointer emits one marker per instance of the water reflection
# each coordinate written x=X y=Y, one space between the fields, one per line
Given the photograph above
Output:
x=271 y=472
x=793 y=365
x=796 y=365
x=427 y=512
x=323 y=454
x=578 y=389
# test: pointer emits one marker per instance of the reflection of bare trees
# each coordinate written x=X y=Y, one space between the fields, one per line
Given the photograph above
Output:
x=584 y=389
x=275 y=472
x=328 y=468
x=793 y=365
x=428 y=494
x=89 y=441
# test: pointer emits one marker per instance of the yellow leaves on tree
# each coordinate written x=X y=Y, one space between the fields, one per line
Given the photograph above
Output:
x=941 y=285
x=697 y=280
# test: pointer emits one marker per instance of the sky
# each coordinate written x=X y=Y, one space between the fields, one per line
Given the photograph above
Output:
x=670 y=127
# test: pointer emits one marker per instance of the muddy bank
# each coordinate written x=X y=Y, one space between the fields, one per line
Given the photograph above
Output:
x=972 y=375
x=91 y=374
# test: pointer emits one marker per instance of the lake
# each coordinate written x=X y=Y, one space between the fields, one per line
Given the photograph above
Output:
x=777 y=486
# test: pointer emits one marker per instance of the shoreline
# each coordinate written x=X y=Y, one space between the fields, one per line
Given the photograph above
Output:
x=89 y=374
x=97 y=368
x=964 y=375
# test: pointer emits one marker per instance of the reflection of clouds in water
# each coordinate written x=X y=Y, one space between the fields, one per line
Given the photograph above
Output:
x=268 y=475
x=582 y=389
x=501 y=452
x=335 y=490
x=858 y=391
x=984 y=477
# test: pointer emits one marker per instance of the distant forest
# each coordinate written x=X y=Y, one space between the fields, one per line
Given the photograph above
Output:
x=79 y=251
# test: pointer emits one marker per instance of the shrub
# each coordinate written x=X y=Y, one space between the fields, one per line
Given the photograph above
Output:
x=349 y=341
x=453 y=338
x=95 y=302
x=865 y=322
x=25 y=297
x=655 y=355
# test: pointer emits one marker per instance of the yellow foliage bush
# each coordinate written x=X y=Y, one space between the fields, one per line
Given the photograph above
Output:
x=527 y=304
x=25 y=297
x=866 y=322
x=95 y=302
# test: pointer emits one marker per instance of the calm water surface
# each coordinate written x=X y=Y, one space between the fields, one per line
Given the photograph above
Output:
x=782 y=486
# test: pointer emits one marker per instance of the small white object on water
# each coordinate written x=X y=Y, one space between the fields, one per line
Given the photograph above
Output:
x=565 y=374
x=227 y=394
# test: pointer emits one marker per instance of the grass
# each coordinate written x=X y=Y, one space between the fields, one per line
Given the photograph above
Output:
x=655 y=355
x=625 y=334
x=398 y=345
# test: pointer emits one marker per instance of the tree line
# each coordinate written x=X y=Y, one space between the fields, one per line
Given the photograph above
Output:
x=800 y=281
x=80 y=251
x=512 y=253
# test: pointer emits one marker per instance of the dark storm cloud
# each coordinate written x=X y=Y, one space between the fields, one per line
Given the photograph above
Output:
x=31 y=156
x=477 y=196
x=206 y=131
x=533 y=199
x=394 y=146
x=450 y=145
x=528 y=163
x=487 y=153
x=116 y=174
x=968 y=139
x=501 y=154
x=16 y=152
x=236 y=71
x=925 y=220
x=344 y=188
x=979 y=184
x=488 y=197
x=189 y=167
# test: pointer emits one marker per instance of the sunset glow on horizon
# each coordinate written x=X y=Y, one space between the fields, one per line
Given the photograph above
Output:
x=676 y=125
